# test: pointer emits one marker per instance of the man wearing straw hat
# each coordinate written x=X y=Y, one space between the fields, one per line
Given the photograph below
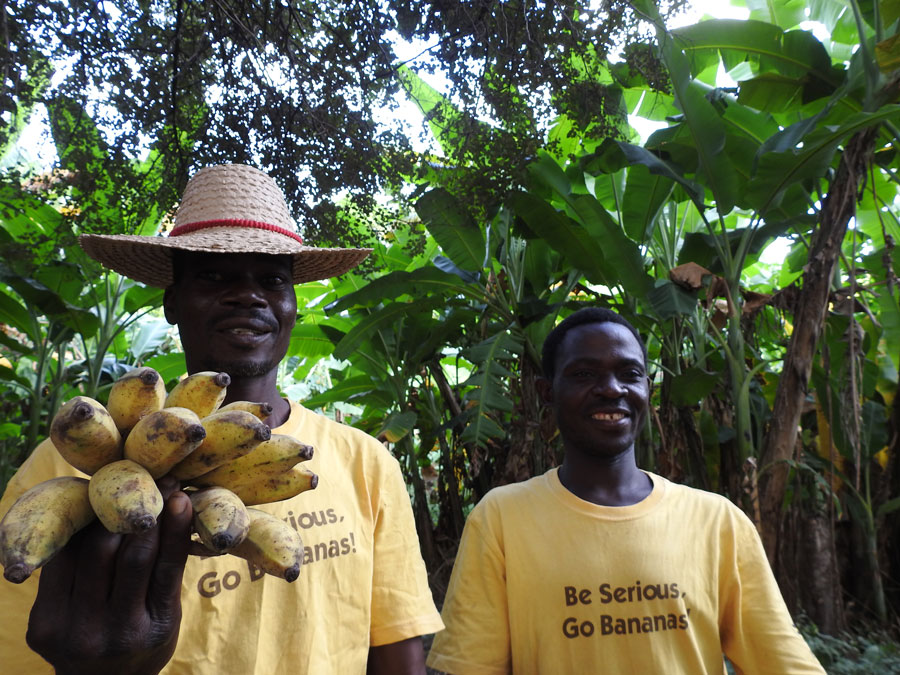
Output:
x=137 y=603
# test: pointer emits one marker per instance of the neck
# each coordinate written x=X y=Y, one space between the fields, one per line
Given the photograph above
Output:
x=613 y=481
x=258 y=389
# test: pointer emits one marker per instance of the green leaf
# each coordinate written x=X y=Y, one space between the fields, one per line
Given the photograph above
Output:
x=888 y=507
x=41 y=299
x=342 y=392
x=387 y=317
x=7 y=374
x=669 y=300
x=151 y=334
x=693 y=385
x=10 y=430
x=551 y=174
x=13 y=344
x=707 y=130
x=308 y=340
x=453 y=228
x=771 y=92
x=873 y=428
x=778 y=170
x=622 y=257
x=634 y=154
x=140 y=297
x=489 y=393
x=645 y=194
x=397 y=425
x=14 y=314
x=170 y=367
x=418 y=283
x=795 y=53
x=562 y=234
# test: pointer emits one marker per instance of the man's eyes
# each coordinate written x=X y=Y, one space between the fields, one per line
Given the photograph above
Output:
x=209 y=275
x=275 y=281
x=631 y=375
x=269 y=281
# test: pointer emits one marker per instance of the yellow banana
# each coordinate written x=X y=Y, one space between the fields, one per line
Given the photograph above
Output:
x=125 y=498
x=85 y=434
x=201 y=392
x=272 y=545
x=41 y=522
x=230 y=434
x=138 y=392
x=261 y=409
x=220 y=518
x=288 y=484
x=163 y=438
x=268 y=459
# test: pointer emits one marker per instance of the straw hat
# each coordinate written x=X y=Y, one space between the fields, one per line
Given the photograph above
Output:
x=230 y=208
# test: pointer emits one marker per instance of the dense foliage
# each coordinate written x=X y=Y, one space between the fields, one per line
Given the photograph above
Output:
x=774 y=383
x=301 y=88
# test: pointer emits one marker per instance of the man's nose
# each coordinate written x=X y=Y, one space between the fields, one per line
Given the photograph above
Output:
x=608 y=386
x=245 y=293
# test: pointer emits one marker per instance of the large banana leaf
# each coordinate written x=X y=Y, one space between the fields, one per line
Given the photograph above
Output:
x=385 y=317
x=563 y=234
x=453 y=228
x=420 y=282
x=777 y=170
x=45 y=301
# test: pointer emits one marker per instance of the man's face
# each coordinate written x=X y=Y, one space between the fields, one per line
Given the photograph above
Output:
x=234 y=311
x=600 y=390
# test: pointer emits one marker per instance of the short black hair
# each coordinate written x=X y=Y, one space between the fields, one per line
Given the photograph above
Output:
x=583 y=316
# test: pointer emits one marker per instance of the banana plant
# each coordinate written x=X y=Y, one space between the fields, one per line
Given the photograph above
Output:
x=68 y=320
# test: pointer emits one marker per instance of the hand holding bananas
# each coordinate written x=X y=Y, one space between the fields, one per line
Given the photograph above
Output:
x=230 y=455
x=110 y=585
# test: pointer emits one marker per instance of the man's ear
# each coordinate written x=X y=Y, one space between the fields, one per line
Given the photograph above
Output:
x=169 y=306
x=545 y=390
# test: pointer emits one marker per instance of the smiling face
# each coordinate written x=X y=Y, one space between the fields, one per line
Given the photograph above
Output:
x=599 y=391
x=234 y=311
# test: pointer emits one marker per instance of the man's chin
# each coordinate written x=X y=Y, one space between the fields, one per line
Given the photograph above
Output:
x=240 y=369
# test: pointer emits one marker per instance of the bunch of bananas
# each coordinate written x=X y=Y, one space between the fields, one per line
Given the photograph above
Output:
x=226 y=456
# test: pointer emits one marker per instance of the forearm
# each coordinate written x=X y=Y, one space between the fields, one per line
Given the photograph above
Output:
x=406 y=657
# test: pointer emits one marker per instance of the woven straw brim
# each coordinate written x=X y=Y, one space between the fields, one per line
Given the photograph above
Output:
x=149 y=259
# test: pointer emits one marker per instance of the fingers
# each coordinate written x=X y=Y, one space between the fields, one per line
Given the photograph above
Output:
x=164 y=597
x=53 y=597
x=72 y=594
x=96 y=561
x=202 y=551
x=57 y=576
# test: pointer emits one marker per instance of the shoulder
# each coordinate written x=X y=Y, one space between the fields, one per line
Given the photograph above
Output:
x=511 y=497
x=699 y=505
x=343 y=447
x=43 y=463
x=317 y=428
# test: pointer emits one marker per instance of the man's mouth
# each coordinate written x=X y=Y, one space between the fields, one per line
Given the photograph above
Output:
x=608 y=417
x=243 y=331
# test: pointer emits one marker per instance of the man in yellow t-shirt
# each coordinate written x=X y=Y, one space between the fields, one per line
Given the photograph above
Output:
x=599 y=567
x=137 y=604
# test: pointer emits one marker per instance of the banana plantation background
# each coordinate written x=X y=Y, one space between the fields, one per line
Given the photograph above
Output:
x=528 y=195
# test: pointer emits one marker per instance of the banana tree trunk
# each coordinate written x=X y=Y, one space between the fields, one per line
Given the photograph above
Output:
x=809 y=314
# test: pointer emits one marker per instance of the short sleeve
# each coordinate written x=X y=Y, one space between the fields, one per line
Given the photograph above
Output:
x=476 y=640
x=758 y=634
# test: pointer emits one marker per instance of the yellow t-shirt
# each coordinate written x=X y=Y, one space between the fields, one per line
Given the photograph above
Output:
x=545 y=582
x=363 y=582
